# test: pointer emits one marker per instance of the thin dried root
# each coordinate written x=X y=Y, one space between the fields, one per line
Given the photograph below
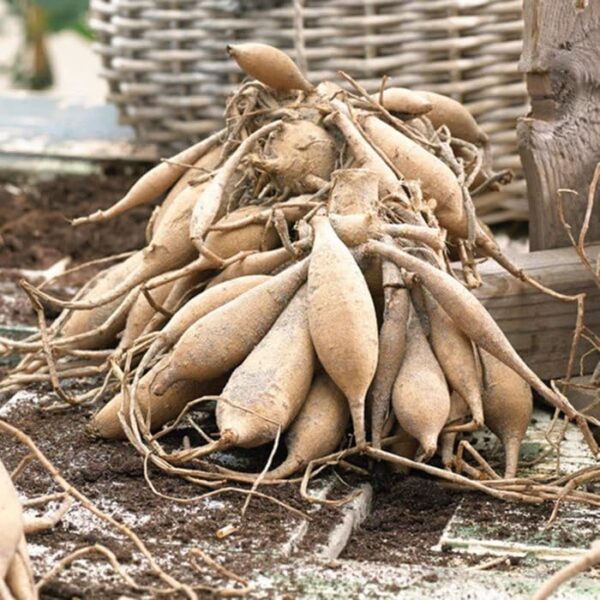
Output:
x=85 y=265
x=189 y=476
x=489 y=248
x=221 y=592
x=39 y=524
x=23 y=463
x=464 y=445
x=47 y=349
x=462 y=427
x=64 y=562
x=72 y=340
x=43 y=499
x=589 y=559
x=452 y=477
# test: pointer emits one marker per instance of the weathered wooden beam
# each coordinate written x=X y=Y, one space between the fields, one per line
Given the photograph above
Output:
x=539 y=326
x=559 y=141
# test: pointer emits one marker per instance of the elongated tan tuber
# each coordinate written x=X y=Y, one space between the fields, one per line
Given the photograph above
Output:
x=343 y=323
x=420 y=398
x=269 y=65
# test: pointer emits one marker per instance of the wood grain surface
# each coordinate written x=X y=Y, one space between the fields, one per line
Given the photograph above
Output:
x=539 y=326
x=559 y=141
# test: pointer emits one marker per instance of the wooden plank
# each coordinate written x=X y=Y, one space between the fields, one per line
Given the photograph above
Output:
x=539 y=326
x=559 y=141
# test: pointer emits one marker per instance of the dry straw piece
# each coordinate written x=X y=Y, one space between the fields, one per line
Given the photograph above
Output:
x=169 y=73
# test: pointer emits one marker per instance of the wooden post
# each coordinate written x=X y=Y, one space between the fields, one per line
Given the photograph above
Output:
x=559 y=140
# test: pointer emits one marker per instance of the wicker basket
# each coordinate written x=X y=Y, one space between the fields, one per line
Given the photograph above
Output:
x=169 y=74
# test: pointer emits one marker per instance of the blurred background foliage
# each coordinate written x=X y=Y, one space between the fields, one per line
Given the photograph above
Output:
x=59 y=14
x=32 y=68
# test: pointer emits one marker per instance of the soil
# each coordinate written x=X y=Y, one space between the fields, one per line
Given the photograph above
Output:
x=35 y=232
x=408 y=517
x=34 y=227
x=409 y=513
x=111 y=475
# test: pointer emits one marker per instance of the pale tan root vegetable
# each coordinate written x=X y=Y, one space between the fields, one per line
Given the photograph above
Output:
x=19 y=578
x=265 y=393
x=200 y=171
x=352 y=205
x=454 y=352
x=300 y=156
x=140 y=314
x=198 y=307
x=11 y=521
x=422 y=126
x=223 y=338
x=155 y=182
x=202 y=168
x=371 y=267
x=507 y=405
x=317 y=431
x=181 y=288
x=475 y=321
x=458 y=411
x=354 y=230
x=364 y=154
x=293 y=209
x=256 y=264
x=223 y=244
x=343 y=323
x=420 y=397
x=414 y=162
x=419 y=233
x=458 y=119
x=105 y=423
x=403 y=100
x=392 y=343
x=270 y=66
x=575 y=567
x=354 y=191
x=253 y=236
x=170 y=248
x=211 y=203
x=328 y=90
x=16 y=580
x=406 y=446
x=81 y=321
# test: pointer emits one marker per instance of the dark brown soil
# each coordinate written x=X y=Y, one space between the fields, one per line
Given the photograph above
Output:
x=111 y=475
x=408 y=517
x=35 y=232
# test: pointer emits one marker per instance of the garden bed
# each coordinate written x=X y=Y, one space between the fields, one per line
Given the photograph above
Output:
x=270 y=548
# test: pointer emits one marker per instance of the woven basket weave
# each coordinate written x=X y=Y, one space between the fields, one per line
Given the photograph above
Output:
x=169 y=74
